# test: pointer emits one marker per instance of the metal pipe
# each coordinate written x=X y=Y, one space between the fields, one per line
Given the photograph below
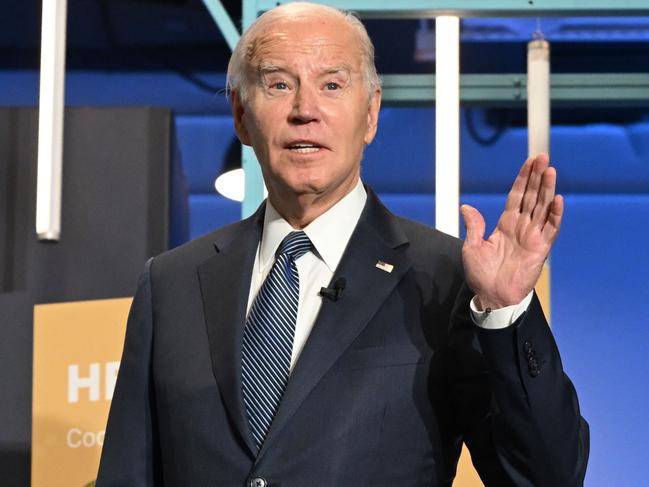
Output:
x=50 y=120
x=447 y=124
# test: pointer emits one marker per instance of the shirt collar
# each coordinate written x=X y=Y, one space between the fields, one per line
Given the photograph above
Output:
x=329 y=233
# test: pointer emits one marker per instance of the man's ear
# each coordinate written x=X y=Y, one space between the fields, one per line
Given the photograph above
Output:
x=238 y=111
x=373 y=116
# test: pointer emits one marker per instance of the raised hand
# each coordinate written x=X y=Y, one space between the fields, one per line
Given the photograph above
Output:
x=503 y=269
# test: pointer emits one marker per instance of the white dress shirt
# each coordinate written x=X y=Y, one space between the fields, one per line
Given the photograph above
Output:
x=329 y=234
x=501 y=317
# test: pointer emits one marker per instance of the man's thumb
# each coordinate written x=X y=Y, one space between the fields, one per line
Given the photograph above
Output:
x=475 y=224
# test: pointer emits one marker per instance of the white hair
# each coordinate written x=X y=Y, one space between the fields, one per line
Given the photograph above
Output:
x=237 y=78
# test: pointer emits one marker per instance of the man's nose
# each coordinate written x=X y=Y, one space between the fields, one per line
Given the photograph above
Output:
x=305 y=106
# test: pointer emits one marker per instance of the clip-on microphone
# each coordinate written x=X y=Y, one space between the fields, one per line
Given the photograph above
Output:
x=336 y=292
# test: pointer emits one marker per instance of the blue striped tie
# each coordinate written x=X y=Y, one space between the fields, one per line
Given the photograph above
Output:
x=268 y=336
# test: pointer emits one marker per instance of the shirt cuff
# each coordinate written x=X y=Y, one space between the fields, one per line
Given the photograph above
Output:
x=499 y=318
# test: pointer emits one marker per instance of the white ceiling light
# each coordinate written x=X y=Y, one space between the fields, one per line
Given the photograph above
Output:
x=50 y=120
x=447 y=124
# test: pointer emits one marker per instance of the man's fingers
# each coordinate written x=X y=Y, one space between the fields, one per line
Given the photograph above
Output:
x=553 y=224
x=546 y=197
x=515 y=196
x=531 y=195
x=475 y=224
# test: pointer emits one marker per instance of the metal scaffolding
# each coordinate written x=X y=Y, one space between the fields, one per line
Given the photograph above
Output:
x=586 y=89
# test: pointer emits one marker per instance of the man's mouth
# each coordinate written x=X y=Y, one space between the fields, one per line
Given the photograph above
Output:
x=304 y=147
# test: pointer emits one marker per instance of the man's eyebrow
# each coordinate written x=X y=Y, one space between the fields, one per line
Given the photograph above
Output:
x=266 y=68
x=345 y=68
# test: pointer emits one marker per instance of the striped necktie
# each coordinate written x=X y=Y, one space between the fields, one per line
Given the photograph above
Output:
x=268 y=336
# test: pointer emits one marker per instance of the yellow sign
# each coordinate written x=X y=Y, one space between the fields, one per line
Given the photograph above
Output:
x=77 y=348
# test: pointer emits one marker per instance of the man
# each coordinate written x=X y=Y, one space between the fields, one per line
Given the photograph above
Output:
x=238 y=370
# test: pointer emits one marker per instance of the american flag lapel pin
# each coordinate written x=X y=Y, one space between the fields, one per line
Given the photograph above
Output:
x=384 y=266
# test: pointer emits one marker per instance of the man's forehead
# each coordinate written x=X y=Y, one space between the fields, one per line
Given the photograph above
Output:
x=329 y=39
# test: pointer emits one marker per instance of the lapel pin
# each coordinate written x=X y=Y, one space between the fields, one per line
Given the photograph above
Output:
x=384 y=266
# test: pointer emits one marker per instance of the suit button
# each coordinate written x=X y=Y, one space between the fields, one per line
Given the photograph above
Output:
x=258 y=482
x=527 y=348
x=535 y=372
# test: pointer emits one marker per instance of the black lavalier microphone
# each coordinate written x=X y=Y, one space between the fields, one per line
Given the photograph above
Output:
x=336 y=292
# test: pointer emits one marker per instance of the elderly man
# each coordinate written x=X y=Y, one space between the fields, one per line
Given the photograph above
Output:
x=325 y=341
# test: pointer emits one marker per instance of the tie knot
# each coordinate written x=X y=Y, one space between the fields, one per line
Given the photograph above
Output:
x=295 y=244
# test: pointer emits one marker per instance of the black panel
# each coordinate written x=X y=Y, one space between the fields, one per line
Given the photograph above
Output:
x=115 y=216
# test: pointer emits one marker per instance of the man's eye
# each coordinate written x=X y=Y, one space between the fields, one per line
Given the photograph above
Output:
x=332 y=86
x=280 y=85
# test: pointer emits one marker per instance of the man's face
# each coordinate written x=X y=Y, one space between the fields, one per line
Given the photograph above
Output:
x=308 y=115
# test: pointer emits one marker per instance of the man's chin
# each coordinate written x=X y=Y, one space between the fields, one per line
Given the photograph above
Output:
x=305 y=194
x=298 y=189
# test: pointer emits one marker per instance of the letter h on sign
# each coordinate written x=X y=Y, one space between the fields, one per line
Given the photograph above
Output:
x=92 y=381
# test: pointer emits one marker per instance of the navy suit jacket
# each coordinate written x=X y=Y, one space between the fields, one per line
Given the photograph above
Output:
x=393 y=377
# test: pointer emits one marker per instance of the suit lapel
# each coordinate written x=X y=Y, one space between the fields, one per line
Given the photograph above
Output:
x=225 y=284
x=377 y=237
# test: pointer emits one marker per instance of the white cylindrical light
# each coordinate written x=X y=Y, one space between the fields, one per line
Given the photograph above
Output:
x=538 y=96
x=50 y=120
x=538 y=127
x=447 y=124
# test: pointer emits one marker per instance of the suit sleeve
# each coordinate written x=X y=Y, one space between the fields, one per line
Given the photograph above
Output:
x=516 y=409
x=130 y=454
